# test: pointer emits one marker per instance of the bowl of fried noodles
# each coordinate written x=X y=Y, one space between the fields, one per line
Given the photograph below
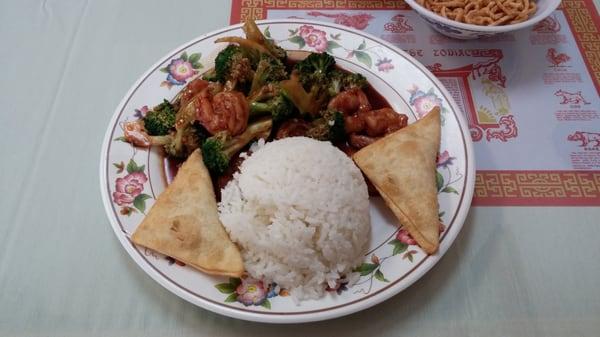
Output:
x=472 y=19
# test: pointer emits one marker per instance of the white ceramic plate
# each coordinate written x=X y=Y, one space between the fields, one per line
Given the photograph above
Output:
x=131 y=178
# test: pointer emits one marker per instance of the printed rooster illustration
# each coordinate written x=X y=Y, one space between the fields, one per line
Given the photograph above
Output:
x=358 y=21
x=548 y=25
x=556 y=58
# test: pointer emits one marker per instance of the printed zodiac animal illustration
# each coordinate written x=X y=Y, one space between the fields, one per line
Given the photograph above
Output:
x=556 y=58
x=585 y=138
x=571 y=97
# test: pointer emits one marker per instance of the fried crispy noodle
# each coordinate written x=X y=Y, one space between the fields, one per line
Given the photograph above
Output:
x=482 y=12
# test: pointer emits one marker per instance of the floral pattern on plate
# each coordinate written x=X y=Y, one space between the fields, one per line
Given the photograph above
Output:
x=180 y=69
x=129 y=188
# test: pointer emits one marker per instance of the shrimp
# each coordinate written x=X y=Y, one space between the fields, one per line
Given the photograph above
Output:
x=353 y=124
x=192 y=89
x=382 y=121
x=225 y=111
x=350 y=102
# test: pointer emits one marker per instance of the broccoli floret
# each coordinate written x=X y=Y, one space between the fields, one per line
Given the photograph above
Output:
x=308 y=102
x=329 y=127
x=340 y=81
x=182 y=142
x=223 y=61
x=312 y=73
x=218 y=149
x=316 y=64
x=314 y=70
x=279 y=107
x=268 y=70
x=160 y=120
x=233 y=66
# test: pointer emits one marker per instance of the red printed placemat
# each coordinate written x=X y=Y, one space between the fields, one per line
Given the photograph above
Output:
x=531 y=97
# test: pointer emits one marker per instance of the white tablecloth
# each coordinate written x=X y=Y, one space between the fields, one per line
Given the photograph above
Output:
x=65 y=67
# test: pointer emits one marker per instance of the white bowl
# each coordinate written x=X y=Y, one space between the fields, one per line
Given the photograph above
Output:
x=466 y=31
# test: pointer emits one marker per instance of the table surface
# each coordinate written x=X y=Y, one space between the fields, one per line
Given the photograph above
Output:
x=67 y=64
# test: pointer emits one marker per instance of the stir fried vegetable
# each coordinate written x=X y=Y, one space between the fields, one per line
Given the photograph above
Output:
x=329 y=127
x=340 y=81
x=279 y=107
x=310 y=102
x=183 y=142
x=251 y=90
x=268 y=70
x=314 y=69
x=218 y=149
x=160 y=120
x=233 y=67
x=254 y=34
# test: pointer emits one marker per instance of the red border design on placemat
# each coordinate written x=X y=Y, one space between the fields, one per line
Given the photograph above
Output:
x=584 y=22
x=537 y=188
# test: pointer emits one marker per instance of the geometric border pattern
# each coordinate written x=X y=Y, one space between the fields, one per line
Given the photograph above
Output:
x=531 y=188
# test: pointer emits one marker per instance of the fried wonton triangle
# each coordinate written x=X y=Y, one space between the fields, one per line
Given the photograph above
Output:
x=184 y=223
x=402 y=166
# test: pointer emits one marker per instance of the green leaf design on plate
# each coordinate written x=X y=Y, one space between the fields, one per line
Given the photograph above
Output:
x=366 y=268
x=267 y=33
x=336 y=36
x=409 y=255
x=399 y=247
x=140 y=202
x=194 y=58
x=331 y=45
x=266 y=304
x=164 y=70
x=231 y=298
x=439 y=180
x=297 y=40
x=293 y=31
x=363 y=58
x=380 y=277
x=120 y=166
x=225 y=288
x=133 y=167
x=449 y=189
x=235 y=282
x=362 y=45
x=184 y=56
x=121 y=139
x=441 y=214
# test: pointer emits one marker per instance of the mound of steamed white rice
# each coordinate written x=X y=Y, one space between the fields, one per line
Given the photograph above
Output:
x=299 y=210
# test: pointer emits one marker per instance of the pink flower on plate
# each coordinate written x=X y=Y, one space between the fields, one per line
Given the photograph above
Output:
x=423 y=104
x=444 y=159
x=141 y=112
x=384 y=65
x=404 y=237
x=314 y=38
x=251 y=292
x=179 y=71
x=129 y=187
